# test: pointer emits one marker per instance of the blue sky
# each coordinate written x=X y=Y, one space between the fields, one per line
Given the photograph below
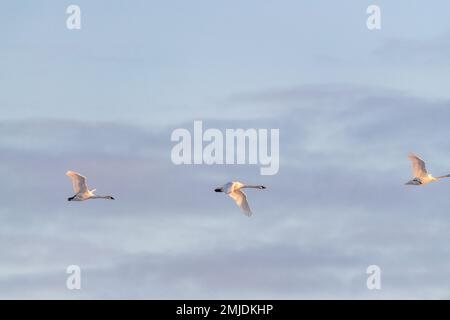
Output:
x=103 y=101
x=150 y=57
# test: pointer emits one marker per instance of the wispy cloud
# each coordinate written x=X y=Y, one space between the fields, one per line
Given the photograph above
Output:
x=337 y=205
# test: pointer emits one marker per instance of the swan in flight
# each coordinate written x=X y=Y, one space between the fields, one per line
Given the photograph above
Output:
x=233 y=189
x=421 y=176
x=81 y=189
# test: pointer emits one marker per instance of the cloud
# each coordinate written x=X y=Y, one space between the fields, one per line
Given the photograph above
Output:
x=427 y=52
x=337 y=205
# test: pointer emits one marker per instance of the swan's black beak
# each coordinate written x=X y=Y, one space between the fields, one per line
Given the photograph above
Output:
x=112 y=198
x=70 y=199
x=218 y=190
x=263 y=187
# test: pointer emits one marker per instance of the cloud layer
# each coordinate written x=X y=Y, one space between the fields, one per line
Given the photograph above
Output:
x=337 y=205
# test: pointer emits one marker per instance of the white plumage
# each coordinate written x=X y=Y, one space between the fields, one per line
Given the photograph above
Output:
x=421 y=175
x=233 y=189
x=82 y=192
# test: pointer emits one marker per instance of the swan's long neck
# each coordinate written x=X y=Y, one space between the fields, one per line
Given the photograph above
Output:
x=253 y=186
x=442 y=177
x=102 y=197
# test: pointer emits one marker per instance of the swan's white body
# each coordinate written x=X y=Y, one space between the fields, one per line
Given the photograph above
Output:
x=81 y=189
x=421 y=176
x=233 y=189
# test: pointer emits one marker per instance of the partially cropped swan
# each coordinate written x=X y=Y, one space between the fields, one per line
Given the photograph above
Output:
x=233 y=189
x=421 y=176
x=81 y=189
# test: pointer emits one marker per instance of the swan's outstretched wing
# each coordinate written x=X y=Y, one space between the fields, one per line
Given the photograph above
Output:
x=418 y=166
x=78 y=182
x=241 y=201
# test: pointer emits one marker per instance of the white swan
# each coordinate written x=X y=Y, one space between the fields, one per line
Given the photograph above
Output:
x=233 y=189
x=421 y=176
x=81 y=189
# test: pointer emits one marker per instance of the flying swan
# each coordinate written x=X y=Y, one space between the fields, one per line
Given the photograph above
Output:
x=421 y=176
x=81 y=189
x=233 y=189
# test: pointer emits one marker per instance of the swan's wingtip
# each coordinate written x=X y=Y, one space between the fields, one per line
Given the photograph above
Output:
x=247 y=213
x=412 y=155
